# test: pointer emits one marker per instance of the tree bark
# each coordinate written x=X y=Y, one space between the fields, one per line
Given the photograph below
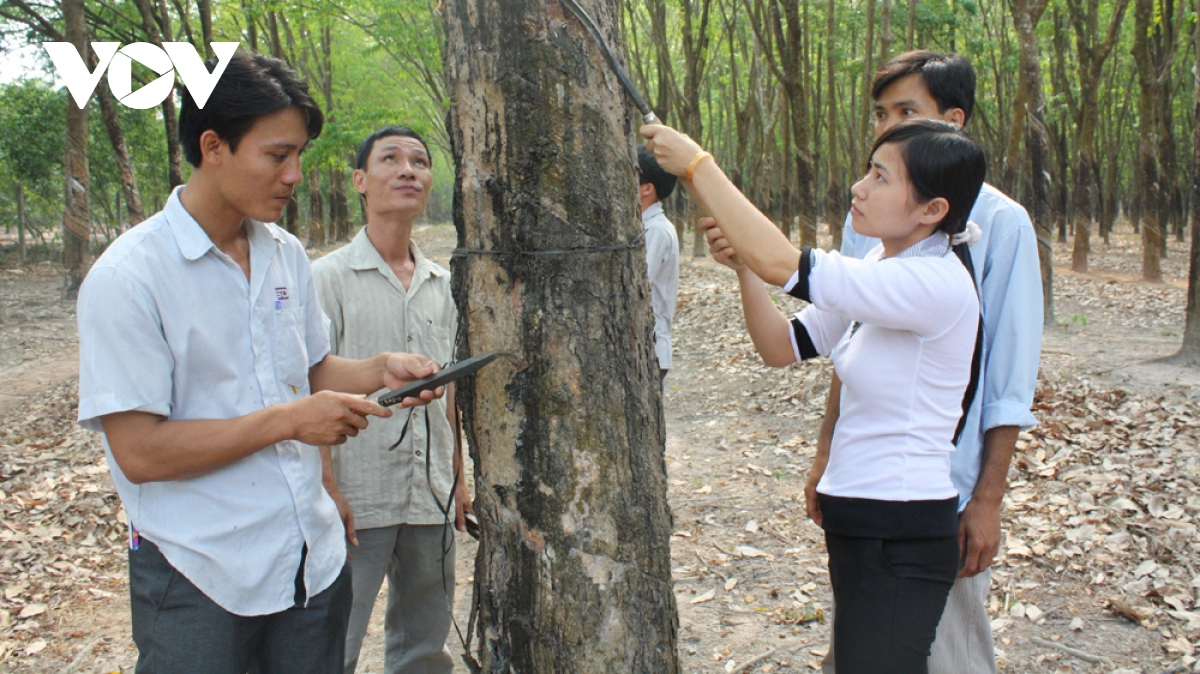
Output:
x=573 y=571
x=125 y=170
x=77 y=229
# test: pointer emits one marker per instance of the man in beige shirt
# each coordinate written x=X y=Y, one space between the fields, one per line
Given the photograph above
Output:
x=392 y=490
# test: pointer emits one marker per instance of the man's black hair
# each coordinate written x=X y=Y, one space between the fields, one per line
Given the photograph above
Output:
x=253 y=86
x=651 y=172
x=949 y=78
x=368 y=144
x=940 y=161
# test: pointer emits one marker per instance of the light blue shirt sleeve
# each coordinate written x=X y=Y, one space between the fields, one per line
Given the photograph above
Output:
x=125 y=363
x=854 y=244
x=1011 y=290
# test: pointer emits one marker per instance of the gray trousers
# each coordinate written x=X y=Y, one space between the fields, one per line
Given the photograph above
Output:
x=419 y=601
x=179 y=630
x=963 y=644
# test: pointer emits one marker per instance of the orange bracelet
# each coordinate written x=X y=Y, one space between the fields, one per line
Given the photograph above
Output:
x=691 y=167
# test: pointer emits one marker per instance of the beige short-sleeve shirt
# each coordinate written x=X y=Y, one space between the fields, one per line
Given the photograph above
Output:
x=370 y=311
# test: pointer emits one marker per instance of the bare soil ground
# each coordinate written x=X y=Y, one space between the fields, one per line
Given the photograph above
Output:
x=1098 y=571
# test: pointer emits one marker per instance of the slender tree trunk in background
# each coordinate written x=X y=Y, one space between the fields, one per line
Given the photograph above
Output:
x=1147 y=44
x=662 y=56
x=835 y=199
x=125 y=170
x=912 y=25
x=1062 y=197
x=339 y=215
x=206 y=36
x=316 y=210
x=694 y=38
x=77 y=228
x=251 y=26
x=1190 y=351
x=291 y=216
x=1026 y=14
x=1092 y=53
x=862 y=142
x=21 y=256
x=150 y=23
x=573 y=572
x=885 y=31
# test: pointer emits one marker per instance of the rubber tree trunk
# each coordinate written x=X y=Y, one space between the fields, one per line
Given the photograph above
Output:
x=77 y=228
x=1148 y=131
x=573 y=570
x=1026 y=14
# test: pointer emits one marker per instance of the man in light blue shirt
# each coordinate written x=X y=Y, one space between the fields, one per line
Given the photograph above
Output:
x=924 y=84
x=204 y=360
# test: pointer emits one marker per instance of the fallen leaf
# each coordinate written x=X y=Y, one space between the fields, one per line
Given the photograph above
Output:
x=707 y=596
x=31 y=610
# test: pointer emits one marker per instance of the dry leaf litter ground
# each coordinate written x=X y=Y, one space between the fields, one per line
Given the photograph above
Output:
x=1098 y=571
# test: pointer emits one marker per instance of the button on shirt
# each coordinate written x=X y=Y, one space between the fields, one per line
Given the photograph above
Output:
x=1010 y=291
x=169 y=324
x=371 y=311
x=662 y=266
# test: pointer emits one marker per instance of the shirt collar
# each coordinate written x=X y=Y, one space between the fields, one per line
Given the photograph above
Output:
x=934 y=245
x=654 y=209
x=194 y=241
x=363 y=256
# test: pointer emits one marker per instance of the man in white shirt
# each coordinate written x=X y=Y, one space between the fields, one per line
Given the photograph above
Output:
x=662 y=253
x=204 y=360
x=392 y=483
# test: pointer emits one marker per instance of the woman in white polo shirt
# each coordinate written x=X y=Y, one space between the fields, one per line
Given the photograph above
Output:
x=901 y=328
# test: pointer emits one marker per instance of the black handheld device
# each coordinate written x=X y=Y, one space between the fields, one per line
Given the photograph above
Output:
x=445 y=376
x=472 y=523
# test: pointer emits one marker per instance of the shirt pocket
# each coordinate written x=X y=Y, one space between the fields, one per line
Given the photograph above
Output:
x=438 y=344
x=291 y=350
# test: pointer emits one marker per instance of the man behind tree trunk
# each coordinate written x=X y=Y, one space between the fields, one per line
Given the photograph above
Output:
x=392 y=484
x=662 y=253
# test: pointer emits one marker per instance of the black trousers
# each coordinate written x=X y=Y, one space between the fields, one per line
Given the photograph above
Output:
x=890 y=595
x=179 y=630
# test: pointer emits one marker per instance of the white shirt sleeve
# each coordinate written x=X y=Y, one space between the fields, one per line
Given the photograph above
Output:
x=921 y=295
x=657 y=245
x=125 y=363
x=824 y=330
